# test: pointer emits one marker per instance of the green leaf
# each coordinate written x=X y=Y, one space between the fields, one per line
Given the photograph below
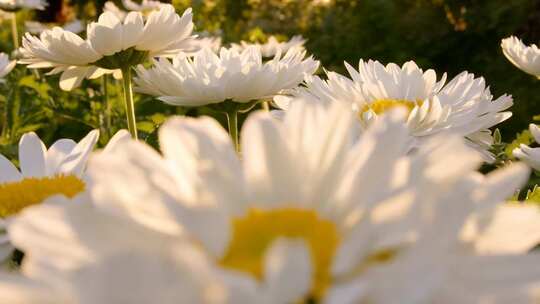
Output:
x=533 y=196
x=525 y=137
x=146 y=126
x=42 y=88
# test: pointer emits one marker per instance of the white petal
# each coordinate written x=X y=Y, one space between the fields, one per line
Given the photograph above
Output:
x=32 y=153
x=287 y=271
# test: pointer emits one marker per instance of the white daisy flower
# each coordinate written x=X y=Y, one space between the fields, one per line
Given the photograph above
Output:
x=315 y=211
x=110 y=7
x=231 y=82
x=111 y=44
x=211 y=78
x=6 y=66
x=43 y=173
x=526 y=58
x=202 y=42
x=145 y=7
x=35 y=28
x=527 y=154
x=81 y=255
x=464 y=105
x=273 y=47
x=14 y=5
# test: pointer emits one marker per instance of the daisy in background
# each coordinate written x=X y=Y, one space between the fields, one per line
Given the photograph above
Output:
x=272 y=47
x=526 y=58
x=6 y=66
x=145 y=7
x=527 y=154
x=463 y=106
x=43 y=173
x=12 y=6
x=36 y=28
x=313 y=212
x=230 y=81
x=111 y=44
x=15 y=5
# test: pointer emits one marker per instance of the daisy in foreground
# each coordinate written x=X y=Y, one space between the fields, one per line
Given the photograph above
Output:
x=526 y=58
x=230 y=81
x=43 y=173
x=111 y=45
x=313 y=212
x=463 y=106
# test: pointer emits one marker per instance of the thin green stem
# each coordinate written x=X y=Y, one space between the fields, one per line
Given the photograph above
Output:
x=232 y=119
x=14 y=31
x=266 y=106
x=107 y=102
x=128 y=102
x=7 y=116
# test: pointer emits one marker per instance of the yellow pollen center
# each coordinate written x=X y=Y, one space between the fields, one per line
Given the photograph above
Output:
x=254 y=233
x=382 y=105
x=15 y=196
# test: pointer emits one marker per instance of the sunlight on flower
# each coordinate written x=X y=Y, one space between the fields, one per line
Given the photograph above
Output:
x=16 y=196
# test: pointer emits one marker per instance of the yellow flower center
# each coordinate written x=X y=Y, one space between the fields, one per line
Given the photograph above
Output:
x=255 y=232
x=16 y=196
x=382 y=105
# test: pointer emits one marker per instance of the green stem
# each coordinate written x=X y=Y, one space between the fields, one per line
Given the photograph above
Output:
x=128 y=102
x=107 y=102
x=14 y=31
x=266 y=106
x=7 y=116
x=232 y=119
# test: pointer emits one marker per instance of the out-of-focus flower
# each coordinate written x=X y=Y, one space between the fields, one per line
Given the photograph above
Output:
x=211 y=78
x=111 y=44
x=6 y=66
x=43 y=173
x=80 y=255
x=302 y=216
x=145 y=7
x=526 y=58
x=273 y=47
x=464 y=105
x=527 y=154
x=202 y=42
x=36 y=28
x=14 y=5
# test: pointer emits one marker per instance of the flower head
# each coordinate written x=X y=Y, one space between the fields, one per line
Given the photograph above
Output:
x=273 y=47
x=6 y=65
x=13 y=5
x=145 y=7
x=526 y=58
x=315 y=211
x=209 y=78
x=464 y=105
x=43 y=173
x=34 y=27
x=527 y=154
x=111 y=44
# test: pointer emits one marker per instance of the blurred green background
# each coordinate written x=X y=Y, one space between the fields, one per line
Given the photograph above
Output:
x=446 y=35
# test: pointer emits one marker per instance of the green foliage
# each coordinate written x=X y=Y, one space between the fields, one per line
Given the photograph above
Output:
x=525 y=137
x=533 y=195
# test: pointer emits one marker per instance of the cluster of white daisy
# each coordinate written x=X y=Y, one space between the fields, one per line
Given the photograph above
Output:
x=353 y=190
